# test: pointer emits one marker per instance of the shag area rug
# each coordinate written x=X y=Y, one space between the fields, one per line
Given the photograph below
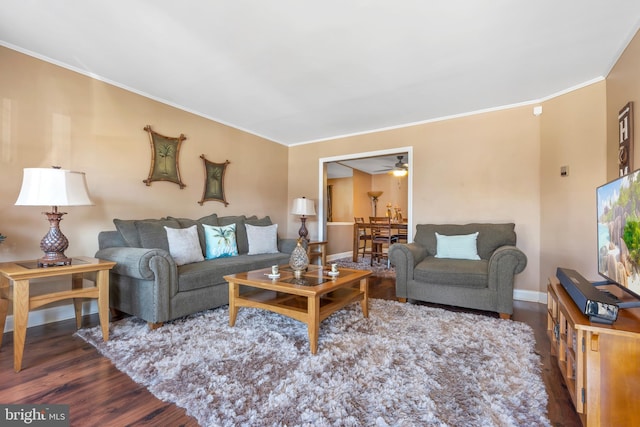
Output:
x=406 y=365
x=378 y=268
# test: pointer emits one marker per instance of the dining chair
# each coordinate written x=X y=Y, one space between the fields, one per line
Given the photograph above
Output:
x=402 y=235
x=364 y=237
x=381 y=238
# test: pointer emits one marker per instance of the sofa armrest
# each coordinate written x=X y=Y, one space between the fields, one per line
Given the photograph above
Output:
x=143 y=264
x=405 y=257
x=504 y=264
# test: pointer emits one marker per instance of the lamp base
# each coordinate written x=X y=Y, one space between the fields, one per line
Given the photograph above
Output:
x=54 y=243
x=44 y=262
x=303 y=232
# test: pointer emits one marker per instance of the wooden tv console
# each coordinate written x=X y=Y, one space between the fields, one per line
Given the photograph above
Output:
x=600 y=363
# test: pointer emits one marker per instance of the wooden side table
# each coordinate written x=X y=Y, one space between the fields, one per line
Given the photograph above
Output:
x=18 y=274
x=317 y=250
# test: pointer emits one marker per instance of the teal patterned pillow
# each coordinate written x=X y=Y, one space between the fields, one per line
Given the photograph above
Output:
x=220 y=241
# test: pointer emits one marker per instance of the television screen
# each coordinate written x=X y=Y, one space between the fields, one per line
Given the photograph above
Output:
x=619 y=231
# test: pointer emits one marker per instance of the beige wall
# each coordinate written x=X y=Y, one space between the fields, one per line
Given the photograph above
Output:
x=623 y=85
x=53 y=116
x=478 y=168
x=339 y=238
x=394 y=191
x=361 y=201
x=573 y=134
x=342 y=198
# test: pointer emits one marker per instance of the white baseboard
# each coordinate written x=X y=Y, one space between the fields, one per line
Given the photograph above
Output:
x=338 y=256
x=54 y=314
x=532 y=296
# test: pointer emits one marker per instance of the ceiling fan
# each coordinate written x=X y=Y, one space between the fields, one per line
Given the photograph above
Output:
x=400 y=168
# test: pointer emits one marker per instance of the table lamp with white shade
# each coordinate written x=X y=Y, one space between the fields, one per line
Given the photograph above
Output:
x=303 y=207
x=53 y=187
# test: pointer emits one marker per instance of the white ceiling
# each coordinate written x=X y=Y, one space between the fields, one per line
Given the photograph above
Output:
x=297 y=71
x=372 y=165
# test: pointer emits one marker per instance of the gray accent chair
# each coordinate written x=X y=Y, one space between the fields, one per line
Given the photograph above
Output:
x=147 y=283
x=485 y=284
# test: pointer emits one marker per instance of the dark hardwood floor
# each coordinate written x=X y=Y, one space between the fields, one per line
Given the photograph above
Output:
x=61 y=369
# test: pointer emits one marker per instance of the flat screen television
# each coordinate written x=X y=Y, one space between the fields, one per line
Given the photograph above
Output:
x=618 y=207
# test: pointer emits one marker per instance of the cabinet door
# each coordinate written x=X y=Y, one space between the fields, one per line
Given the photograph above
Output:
x=613 y=379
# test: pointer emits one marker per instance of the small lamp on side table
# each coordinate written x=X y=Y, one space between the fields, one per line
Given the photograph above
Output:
x=53 y=187
x=303 y=207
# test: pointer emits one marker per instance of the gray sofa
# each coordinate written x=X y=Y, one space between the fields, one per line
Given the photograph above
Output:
x=147 y=283
x=483 y=284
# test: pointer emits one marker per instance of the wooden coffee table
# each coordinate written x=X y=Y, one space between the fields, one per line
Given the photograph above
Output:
x=310 y=299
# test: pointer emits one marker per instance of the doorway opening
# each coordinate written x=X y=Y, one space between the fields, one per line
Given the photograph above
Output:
x=375 y=162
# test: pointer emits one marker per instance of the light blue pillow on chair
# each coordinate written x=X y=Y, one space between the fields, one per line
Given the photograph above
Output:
x=220 y=241
x=458 y=247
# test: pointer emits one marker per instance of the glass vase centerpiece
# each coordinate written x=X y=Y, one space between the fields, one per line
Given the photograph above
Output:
x=299 y=261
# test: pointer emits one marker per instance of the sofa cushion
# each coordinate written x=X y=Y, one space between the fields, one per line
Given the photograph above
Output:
x=188 y=222
x=128 y=231
x=262 y=239
x=454 y=272
x=457 y=247
x=152 y=234
x=258 y=221
x=212 y=272
x=220 y=241
x=209 y=219
x=241 y=232
x=490 y=236
x=184 y=245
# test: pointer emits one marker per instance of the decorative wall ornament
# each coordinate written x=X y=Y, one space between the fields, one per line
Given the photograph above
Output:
x=165 y=153
x=213 y=181
x=625 y=139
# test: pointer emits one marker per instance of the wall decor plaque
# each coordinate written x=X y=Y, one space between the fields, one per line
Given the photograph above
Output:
x=213 y=181
x=625 y=139
x=165 y=154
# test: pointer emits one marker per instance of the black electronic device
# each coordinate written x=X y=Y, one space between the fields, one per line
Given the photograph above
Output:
x=601 y=307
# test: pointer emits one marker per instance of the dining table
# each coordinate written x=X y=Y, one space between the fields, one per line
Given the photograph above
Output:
x=358 y=226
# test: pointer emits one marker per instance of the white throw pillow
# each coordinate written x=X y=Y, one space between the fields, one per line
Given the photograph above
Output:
x=262 y=240
x=457 y=247
x=184 y=245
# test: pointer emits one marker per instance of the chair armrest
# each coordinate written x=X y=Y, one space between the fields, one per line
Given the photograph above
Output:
x=504 y=264
x=405 y=256
x=509 y=259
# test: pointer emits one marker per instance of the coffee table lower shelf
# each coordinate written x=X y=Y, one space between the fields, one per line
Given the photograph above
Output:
x=307 y=304
x=296 y=306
